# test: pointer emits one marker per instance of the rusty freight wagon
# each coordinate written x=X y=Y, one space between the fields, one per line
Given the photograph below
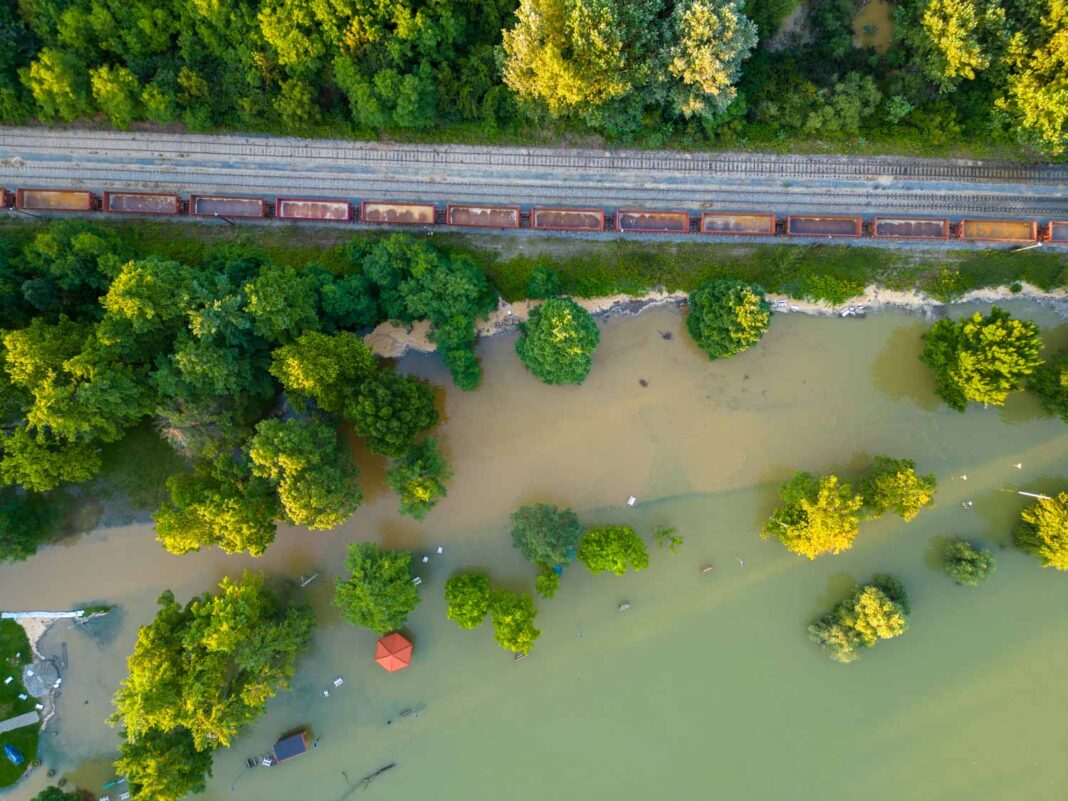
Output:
x=397 y=213
x=909 y=228
x=296 y=208
x=544 y=218
x=54 y=200
x=226 y=206
x=998 y=230
x=1057 y=232
x=823 y=225
x=640 y=221
x=482 y=216
x=142 y=203
x=737 y=223
x=5 y=198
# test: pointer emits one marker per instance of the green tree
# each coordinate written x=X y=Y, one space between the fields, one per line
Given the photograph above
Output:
x=210 y=667
x=892 y=485
x=712 y=38
x=58 y=83
x=391 y=411
x=146 y=296
x=1050 y=384
x=328 y=369
x=377 y=592
x=543 y=283
x=419 y=478
x=117 y=93
x=557 y=343
x=219 y=503
x=1043 y=531
x=876 y=611
x=727 y=316
x=282 y=303
x=966 y=564
x=296 y=104
x=164 y=765
x=312 y=469
x=981 y=359
x=39 y=462
x=468 y=597
x=819 y=516
x=513 y=621
x=545 y=535
x=613 y=548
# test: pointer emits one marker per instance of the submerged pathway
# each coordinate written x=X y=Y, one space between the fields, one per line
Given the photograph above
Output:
x=725 y=181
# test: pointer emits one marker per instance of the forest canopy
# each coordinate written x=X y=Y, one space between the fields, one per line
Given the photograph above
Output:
x=648 y=71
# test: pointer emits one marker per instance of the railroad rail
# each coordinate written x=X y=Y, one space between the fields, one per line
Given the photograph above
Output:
x=639 y=192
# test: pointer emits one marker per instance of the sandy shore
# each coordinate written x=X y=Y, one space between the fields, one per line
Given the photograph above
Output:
x=392 y=340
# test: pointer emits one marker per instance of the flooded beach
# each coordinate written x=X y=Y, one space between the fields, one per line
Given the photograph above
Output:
x=707 y=686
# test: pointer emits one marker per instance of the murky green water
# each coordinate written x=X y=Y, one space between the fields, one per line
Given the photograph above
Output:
x=707 y=686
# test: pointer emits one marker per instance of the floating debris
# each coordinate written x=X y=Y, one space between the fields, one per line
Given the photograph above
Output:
x=623 y=607
x=664 y=334
x=707 y=569
x=643 y=382
x=1018 y=465
x=631 y=500
x=338 y=681
x=441 y=549
x=967 y=504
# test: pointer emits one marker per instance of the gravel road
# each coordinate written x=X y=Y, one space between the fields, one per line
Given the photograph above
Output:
x=271 y=166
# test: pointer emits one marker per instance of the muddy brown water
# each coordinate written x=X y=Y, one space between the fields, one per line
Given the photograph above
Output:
x=706 y=687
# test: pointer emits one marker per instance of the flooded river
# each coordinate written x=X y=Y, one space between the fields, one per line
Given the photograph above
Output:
x=707 y=686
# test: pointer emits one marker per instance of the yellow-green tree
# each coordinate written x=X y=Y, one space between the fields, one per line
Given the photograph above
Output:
x=820 y=516
x=876 y=611
x=892 y=485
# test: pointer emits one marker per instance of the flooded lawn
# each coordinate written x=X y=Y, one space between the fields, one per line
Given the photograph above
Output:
x=873 y=25
x=707 y=686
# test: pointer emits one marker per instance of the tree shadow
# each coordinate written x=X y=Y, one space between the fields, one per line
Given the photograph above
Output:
x=839 y=587
x=899 y=374
x=934 y=556
x=372 y=466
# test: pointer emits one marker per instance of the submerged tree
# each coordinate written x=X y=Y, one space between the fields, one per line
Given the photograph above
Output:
x=391 y=411
x=328 y=369
x=513 y=621
x=557 y=343
x=820 y=516
x=468 y=597
x=1050 y=383
x=377 y=592
x=966 y=564
x=1043 y=531
x=981 y=359
x=876 y=611
x=545 y=535
x=197 y=675
x=613 y=548
x=727 y=316
x=419 y=478
x=891 y=485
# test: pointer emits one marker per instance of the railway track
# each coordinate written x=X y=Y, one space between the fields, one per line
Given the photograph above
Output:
x=116 y=147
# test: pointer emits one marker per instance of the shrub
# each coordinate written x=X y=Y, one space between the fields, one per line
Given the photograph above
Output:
x=1050 y=384
x=892 y=485
x=876 y=611
x=1043 y=531
x=820 y=516
x=468 y=597
x=545 y=535
x=377 y=592
x=419 y=478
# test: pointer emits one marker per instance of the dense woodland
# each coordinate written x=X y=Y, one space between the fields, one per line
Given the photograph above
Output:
x=685 y=72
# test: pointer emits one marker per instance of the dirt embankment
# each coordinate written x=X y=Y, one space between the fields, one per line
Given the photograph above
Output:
x=392 y=340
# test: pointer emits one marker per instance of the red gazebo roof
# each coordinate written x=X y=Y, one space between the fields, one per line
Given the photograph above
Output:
x=393 y=652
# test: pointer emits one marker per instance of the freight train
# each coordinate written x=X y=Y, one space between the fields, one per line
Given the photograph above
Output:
x=541 y=218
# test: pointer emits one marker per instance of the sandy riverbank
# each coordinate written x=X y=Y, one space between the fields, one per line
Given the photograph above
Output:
x=391 y=340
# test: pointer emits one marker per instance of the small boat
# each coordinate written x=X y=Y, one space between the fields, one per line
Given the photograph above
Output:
x=707 y=569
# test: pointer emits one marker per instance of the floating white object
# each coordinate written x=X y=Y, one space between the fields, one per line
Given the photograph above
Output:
x=338 y=681
x=417 y=581
x=440 y=549
x=29 y=672
x=326 y=693
x=58 y=682
x=631 y=500
x=1018 y=465
x=623 y=607
x=23 y=696
x=39 y=706
x=10 y=679
x=964 y=477
x=426 y=559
